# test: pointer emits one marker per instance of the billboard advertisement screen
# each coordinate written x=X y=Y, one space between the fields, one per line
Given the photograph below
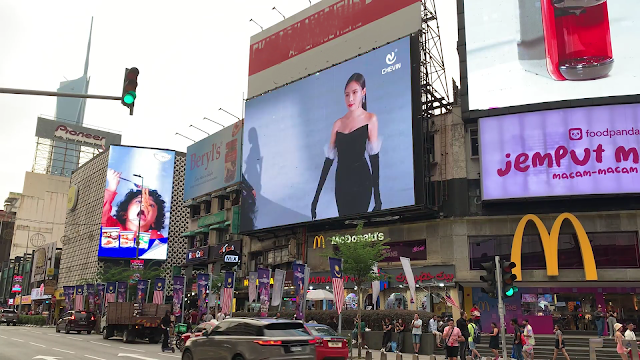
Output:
x=214 y=162
x=531 y=51
x=579 y=151
x=357 y=115
x=137 y=198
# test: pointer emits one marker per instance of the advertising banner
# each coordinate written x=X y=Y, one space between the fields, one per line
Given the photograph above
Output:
x=143 y=288
x=43 y=260
x=158 y=291
x=91 y=296
x=227 y=291
x=129 y=206
x=527 y=52
x=278 y=287
x=79 y=300
x=100 y=297
x=264 y=275
x=110 y=295
x=298 y=283
x=214 y=162
x=337 y=280
x=253 y=280
x=578 y=151
x=203 y=284
x=68 y=292
x=72 y=133
x=178 y=295
x=340 y=115
x=122 y=291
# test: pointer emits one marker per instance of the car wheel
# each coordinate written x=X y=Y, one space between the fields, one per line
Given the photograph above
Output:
x=88 y=332
x=105 y=334
x=238 y=357
x=127 y=336
x=57 y=329
x=187 y=355
x=67 y=329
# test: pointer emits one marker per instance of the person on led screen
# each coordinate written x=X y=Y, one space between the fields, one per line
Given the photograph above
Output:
x=351 y=136
x=141 y=207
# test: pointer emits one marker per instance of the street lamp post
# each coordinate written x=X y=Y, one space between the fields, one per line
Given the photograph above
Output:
x=138 y=235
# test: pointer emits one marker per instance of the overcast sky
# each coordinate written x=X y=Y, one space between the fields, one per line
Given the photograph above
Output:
x=192 y=56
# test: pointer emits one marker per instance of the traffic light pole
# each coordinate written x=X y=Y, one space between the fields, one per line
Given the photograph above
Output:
x=58 y=94
x=503 y=327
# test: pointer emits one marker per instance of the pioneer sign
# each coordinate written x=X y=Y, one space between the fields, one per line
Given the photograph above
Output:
x=68 y=132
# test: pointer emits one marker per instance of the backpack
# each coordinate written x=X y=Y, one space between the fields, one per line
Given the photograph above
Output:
x=477 y=336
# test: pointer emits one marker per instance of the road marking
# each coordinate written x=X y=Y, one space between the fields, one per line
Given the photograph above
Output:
x=169 y=355
x=54 y=335
x=37 y=344
x=47 y=357
x=121 y=347
x=17 y=339
x=4 y=337
x=136 y=356
x=37 y=332
x=95 y=342
x=75 y=338
x=67 y=351
x=93 y=357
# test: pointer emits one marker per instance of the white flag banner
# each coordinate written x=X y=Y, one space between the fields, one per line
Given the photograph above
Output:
x=278 y=284
x=408 y=273
x=253 y=283
x=375 y=287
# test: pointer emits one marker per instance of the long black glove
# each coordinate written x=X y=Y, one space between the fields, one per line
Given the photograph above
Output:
x=323 y=177
x=375 y=176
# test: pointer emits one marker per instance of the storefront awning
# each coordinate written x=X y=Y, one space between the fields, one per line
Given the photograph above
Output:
x=199 y=231
x=217 y=226
x=189 y=233
x=227 y=223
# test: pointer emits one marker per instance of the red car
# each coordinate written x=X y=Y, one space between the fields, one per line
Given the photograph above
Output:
x=329 y=345
x=196 y=332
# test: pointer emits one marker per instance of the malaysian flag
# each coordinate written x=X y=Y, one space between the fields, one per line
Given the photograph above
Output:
x=158 y=291
x=79 y=303
x=227 y=291
x=111 y=293
x=335 y=266
x=449 y=300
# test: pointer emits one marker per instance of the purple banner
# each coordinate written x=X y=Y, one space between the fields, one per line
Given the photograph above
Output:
x=178 y=295
x=298 y=283
x=99 y=300
x=203 y=283
x=68 y=296
x=122 y=291
x=141 y=294
x=578 y=151
x=91 y=296
x=264 y=275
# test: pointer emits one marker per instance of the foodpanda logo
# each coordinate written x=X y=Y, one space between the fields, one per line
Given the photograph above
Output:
x=391 y=59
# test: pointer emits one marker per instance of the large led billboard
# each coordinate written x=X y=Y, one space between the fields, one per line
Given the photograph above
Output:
x=532 y=51
x=214 y=162
x=566 y=152
x=336 y=143
x=137 y=200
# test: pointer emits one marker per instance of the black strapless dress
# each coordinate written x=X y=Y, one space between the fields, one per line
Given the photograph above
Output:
x=353 y=176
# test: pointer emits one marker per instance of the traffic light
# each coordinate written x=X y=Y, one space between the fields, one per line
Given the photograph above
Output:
x=129 y=88
x=490 y=287
x=508 y=278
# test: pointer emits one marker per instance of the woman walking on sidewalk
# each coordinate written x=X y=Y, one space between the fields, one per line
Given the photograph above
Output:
x=620 y=348
x=560 y=343
x=494 y=340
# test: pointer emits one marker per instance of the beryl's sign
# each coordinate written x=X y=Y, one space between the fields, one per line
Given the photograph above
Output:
x=578 y=151
x=214 y=162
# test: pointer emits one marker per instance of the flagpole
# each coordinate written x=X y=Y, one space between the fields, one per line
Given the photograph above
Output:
x=146 y=299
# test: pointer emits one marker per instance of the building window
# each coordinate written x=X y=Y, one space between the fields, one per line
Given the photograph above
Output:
x=611 y=250
x=473 y=142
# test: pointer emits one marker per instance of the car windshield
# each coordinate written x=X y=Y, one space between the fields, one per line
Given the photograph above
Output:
x=322 y=331
x=9 y=311
x=285 y=329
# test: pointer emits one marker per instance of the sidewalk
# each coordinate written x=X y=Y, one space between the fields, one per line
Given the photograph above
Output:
x=375 y=355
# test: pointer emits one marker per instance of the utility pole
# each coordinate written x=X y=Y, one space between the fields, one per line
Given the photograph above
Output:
x=503 y=330
x=58 y=94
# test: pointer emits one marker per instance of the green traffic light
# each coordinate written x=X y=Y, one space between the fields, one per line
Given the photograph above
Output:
x=129 y=97
x=510 y=292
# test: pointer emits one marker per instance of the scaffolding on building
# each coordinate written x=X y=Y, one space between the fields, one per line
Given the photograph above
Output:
x=55 y=157
x=434 y=91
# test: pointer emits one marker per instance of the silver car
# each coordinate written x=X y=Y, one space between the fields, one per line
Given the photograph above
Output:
x=253 y=339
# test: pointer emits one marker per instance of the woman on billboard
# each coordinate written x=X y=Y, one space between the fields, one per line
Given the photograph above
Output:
x=351 y=136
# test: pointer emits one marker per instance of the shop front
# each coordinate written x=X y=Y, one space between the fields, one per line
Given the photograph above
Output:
x=288 y=294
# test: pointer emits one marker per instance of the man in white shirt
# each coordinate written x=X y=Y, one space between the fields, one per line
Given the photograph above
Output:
x=433 y=328
x=416 y=333
x=630 y=334
x=220 y=316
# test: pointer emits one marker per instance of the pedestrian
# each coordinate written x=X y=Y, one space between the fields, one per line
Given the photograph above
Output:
x=494 y=340
x=220 y=316
x=452 y=337
x=359 y=337
x=433 y=328
x=599 y=318
x=472 y=345
x=400 y=325
x=475 y=315
x=387 y=328
x=193 y=317
x=277 y=315
x=517 y=339
x=620 y=348
x=416 y=333
x=332 y=323
x=611 y=321
x=209 y=316
x=165 y=324
x=529 y=340
x=464 y=329
x=560 y=342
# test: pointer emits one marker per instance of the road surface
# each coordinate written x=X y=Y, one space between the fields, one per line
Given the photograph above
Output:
x=26 y=343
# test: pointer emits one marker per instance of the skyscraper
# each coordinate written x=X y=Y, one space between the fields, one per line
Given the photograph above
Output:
x=64 y=159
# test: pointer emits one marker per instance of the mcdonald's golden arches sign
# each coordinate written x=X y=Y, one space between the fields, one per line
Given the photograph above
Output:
x=318 y=242
x=550 y=245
